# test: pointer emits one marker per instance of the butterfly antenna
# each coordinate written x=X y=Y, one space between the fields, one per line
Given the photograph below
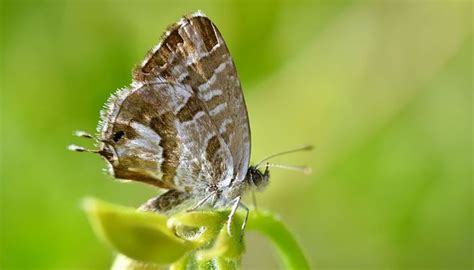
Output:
x=304 y=148
x=304 y=169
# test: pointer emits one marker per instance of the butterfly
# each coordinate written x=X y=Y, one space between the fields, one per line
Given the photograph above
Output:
x=182 y=124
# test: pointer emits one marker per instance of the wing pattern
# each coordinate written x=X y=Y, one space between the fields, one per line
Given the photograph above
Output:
x=183 y=121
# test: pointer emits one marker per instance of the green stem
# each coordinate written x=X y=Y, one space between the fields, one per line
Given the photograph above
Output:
x=287 y=247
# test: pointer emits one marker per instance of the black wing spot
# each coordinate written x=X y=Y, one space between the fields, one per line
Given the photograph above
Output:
x=118 y=135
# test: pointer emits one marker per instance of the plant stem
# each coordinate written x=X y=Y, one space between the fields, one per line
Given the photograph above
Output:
x=270 y=225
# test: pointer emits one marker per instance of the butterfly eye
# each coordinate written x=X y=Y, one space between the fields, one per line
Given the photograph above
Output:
x=118 y=135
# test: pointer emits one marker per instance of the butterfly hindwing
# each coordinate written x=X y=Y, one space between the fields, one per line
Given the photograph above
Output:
x=157 y=134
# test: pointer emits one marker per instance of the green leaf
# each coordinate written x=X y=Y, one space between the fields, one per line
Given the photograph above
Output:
x=187 y=240
x=124 y=263
x=140 y=236
x=225 y=246
x=209 y=223
x=218 y=247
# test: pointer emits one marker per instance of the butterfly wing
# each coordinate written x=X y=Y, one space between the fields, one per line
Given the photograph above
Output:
x=161 y=134
x=193 y=53
x=184 y=121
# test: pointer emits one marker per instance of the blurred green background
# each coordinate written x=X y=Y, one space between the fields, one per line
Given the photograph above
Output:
x=382 y=89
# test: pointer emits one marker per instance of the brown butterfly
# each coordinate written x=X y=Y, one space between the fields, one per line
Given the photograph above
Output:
x=182 y=124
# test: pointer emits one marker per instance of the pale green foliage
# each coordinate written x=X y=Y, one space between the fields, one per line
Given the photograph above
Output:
x=196 y=239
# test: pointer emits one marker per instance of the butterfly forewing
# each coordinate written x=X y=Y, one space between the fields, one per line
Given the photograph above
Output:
x=184 y=120
x=193 y=52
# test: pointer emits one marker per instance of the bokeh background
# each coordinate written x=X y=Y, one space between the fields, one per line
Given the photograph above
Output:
x=382 y=89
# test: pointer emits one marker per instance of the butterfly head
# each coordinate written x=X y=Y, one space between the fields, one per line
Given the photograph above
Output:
x=257 y=179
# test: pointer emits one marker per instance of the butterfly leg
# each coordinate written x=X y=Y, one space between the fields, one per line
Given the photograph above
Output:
x=236 y=204
x=203 y=201
x=254 y=200
x=244 y=224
